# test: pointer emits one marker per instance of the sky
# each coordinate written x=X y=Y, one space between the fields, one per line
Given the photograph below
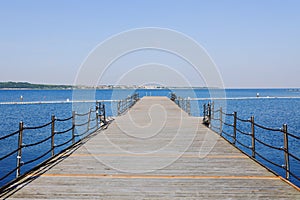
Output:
x=253 y=43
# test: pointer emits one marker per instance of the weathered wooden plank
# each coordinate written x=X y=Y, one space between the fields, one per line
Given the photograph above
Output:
x=155 y=151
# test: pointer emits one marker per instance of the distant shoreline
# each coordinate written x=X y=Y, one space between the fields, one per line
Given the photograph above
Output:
x=26 y=85
x=30 y=86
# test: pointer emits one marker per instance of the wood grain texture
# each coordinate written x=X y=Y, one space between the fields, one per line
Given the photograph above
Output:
x=154 y=151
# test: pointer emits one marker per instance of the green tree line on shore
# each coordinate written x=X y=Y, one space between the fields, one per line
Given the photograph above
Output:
x=27 y=85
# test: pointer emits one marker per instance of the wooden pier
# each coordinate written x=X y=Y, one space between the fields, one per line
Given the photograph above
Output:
x=153 y=151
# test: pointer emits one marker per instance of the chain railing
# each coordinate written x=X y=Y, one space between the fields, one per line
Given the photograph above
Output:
x=124 y=104
x=94 y=120
x=183 y=103
x=215 y=119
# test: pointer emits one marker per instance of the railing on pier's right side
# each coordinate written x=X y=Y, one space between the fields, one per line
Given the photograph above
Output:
x=183 y=103
x=124 y=104
x=57 y=141
x=215 y=119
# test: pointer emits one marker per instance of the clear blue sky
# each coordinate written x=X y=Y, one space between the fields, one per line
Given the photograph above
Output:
x=255 y=43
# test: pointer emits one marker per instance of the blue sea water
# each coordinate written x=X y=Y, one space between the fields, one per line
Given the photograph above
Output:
x=273 y=109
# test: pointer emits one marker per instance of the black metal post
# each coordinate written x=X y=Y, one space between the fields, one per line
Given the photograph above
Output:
x=234 y=127
x=19 y=156
x=189 y=106
x=104 y=114
x=212 y=110
x=97 y=114
x=221 y=121
x=89 y=120
x=52 y=135
x=119 y=107
x=209 y=113
x=253 y=136
x=73 y=127
x=286 y=151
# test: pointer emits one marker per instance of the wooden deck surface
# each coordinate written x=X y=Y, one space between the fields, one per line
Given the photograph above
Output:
x=154 y=151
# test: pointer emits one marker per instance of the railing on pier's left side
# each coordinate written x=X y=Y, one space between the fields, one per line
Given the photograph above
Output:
x=57 y=141
x=183 y=103
x=237 y=135
x=124 y=104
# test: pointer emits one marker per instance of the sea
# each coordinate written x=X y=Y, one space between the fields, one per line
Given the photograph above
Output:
x=270 y=107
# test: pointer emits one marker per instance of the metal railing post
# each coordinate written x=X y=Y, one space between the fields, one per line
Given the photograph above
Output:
x=97 y=114
x=124 y=104
x=19 y=156
x=212 y=109
x=253 y=136
x=104 y=113
x=73 y=127
x=118 y=107
x=52 y=135
x=189 y=106
x=136 y=97
x=221 y=121
x=89 y=120
x=180 y=102
x=286 y=152
x=234 y=127
x=209 y=113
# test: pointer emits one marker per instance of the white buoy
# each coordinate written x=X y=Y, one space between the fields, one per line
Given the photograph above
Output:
x=257 y=94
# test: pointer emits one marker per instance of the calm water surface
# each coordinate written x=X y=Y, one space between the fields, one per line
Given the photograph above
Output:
x=268 y=111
